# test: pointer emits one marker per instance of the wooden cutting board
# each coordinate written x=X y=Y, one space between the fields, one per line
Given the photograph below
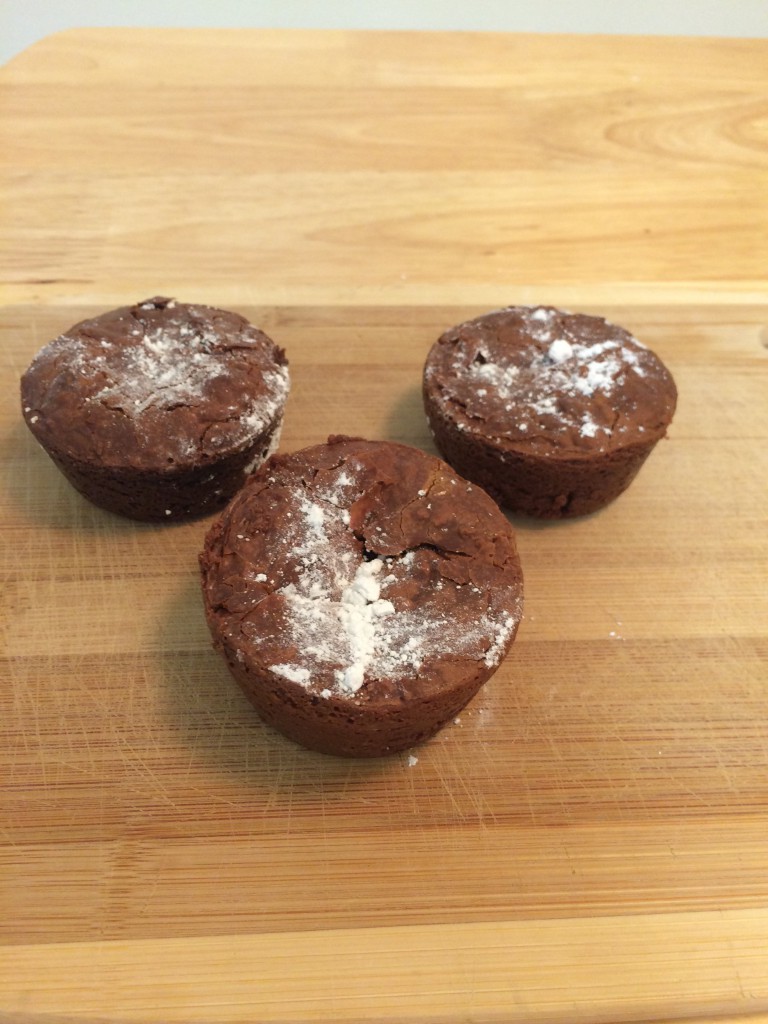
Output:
x=587 y=841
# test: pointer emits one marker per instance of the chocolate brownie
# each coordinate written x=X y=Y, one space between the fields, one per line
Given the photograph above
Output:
x=158 y=410
x=361 y=593
x=553 y=413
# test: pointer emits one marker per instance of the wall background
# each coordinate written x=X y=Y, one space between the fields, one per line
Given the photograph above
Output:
x=22 y=22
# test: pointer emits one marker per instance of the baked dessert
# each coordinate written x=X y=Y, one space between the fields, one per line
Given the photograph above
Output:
x=158 y=410
x=553 y=413
x=361 y=593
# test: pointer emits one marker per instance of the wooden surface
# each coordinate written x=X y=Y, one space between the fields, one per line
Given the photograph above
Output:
x=589 y=842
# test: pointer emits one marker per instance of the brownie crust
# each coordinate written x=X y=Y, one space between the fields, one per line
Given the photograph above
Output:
x=158 y=410
x=553 y=413
x=361 y=594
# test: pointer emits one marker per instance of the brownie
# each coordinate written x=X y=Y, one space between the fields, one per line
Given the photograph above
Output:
x=158 y=410
x=553 y=413
x=361 y=593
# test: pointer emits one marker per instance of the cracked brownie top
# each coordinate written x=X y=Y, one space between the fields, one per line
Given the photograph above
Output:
x=363 y=570
x=159 y=385
x=547 y=382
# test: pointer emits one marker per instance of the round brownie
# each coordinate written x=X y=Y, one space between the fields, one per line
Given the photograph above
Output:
x=553 y=413
x=159 y=410
x=361 y=593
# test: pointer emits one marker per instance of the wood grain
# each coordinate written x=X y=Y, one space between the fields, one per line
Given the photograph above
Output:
x=557 y=970
x=360 y=168
x=588 y=841
x=616 y=765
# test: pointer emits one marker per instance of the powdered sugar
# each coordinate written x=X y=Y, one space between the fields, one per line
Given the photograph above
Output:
x=296 y=673
x=160 y=370
x=360 y=612
x=560 y=350
x=501 y=378
x=345 y=618
x=166 y=369
x=179 y=363
x=503 y=632
x=541 y=322
x=543 y=385
x=588 y=426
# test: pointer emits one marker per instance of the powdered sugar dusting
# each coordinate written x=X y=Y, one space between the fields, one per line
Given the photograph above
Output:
x=295 y=673
x=542 y=386
x=360 y=612
x=588 y=426
x=560 y=350
x=504 y=629
x=169 y=368
x=501 y=378
x=345 y=618
x=146 y=370
x=163 y=370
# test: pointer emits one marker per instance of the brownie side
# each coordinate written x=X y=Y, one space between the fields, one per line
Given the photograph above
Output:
x=332 y=724
x=534 y=485
x=175 y=493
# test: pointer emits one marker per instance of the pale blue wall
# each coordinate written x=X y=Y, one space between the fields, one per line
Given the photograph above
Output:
x=22 y=22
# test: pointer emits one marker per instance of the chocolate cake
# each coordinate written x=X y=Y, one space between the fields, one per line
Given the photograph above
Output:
x=361 y=593
x=553 y=413
x=159 y=410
